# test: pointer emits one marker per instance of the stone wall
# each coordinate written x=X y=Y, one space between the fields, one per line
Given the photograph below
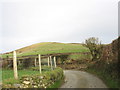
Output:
x=110 y=60
x=110 y=51
x=44 y=80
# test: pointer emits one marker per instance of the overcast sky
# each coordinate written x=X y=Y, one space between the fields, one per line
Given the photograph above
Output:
x=25 y=22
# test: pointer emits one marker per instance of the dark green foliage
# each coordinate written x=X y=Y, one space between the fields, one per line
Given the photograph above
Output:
x=27 y=63
x=63 y=58
x=20 y=67
x=95 y=47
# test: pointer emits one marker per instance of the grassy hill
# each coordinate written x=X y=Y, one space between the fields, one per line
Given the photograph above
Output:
x=49 y=48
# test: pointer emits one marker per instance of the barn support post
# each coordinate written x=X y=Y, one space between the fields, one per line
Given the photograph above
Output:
x=15 y=65
x=55 y=61
x=51 y=62
x=39 y=58
x=48 y=61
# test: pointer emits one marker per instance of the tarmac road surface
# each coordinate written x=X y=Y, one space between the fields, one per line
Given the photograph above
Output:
x=81 y=79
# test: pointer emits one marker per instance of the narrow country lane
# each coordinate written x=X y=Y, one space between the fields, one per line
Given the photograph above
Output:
x=81 y=79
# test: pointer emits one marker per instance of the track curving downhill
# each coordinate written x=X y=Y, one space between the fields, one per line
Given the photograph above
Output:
x=81 y=79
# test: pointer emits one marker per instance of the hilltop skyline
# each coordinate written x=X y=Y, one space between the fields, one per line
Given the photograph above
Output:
x=66 y=21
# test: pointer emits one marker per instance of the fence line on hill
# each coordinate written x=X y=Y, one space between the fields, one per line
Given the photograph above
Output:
x=50 y=62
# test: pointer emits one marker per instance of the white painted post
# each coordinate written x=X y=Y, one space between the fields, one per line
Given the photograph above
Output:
x=48 y=62
x=55 y=61
x=39 y=57
x=15 y=65
x=35 y=62
x=51 y=62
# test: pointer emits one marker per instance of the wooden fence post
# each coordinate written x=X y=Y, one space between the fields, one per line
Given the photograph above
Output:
x=51 y=62
x=55 y=61
x=48 y=62
x=18 y=62
x=35 y=63
x=15 y=65
x=39 y=57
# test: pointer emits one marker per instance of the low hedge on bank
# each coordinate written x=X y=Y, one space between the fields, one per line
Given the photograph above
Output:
x=44 y=68
x=43 y=80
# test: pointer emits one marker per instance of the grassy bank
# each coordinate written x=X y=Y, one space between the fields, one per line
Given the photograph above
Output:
x=107 y=79
x=57 y=84
x=8 y=75
x=80 y=56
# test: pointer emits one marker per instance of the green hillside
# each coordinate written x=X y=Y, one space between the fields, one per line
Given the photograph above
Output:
x=49 y=48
